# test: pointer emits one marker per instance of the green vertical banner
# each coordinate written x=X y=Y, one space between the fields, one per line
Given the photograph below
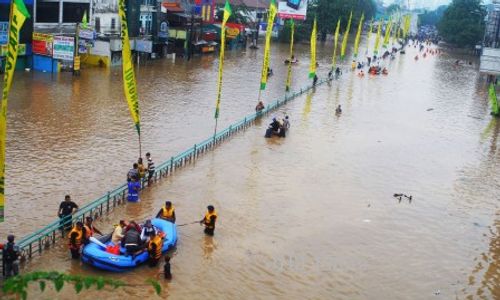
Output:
x=289 y=73
x=17 y=18
x=312 y=66
x=267 y=49
x=358 y=35
x=345 y=38
x=227 y=14
x=493 y=100
x=335 y=44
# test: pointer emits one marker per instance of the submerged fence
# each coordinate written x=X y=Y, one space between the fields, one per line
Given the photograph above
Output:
x=36 y=242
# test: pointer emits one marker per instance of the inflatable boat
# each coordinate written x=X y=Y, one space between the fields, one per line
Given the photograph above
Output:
x=96 y=255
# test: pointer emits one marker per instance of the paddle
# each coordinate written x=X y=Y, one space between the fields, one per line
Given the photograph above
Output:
x=97 y=242
x=195 y=222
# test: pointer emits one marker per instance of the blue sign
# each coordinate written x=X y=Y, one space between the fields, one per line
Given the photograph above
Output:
x=4 y=32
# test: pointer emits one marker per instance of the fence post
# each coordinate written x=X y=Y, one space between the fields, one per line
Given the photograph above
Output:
x=171 y=164
x=195 y=151
x=107 y=203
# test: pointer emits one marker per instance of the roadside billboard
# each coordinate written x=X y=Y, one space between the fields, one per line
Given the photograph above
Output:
x=292 y=9
x=64 y=47
x=42 y=44
x=4 y=27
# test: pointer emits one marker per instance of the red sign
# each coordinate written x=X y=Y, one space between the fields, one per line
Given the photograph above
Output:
x=42 y=44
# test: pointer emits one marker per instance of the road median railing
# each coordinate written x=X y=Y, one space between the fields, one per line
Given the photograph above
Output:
x=38 y=241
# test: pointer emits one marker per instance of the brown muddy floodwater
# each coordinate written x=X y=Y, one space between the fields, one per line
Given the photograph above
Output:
x=311 y=216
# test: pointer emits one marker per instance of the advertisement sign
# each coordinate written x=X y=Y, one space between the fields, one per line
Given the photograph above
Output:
x=4 y=27
x=163 y=33
x=143 y=46
x=87 y=34
x=21 y=50
x=42 y=44
x=64 y=47
x=292 y=9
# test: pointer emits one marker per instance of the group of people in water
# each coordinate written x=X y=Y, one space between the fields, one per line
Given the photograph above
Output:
x=132 y=238
x=278 y=127
x=137 y=174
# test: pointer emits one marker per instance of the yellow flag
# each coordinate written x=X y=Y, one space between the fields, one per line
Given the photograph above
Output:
x=335 y=44
x=312 y=67
x=289 y=73
x=358 y=35
x=267 y=49
x=19 y=15
x=387 y=33
x=369 y=36
x=377 y=38
x=345 y=38
x=129 y=84
x=227 y=14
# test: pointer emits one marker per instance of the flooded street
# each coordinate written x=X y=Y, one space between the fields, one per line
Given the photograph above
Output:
x=309 y=216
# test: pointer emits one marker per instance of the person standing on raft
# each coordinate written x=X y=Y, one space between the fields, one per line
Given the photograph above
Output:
x=209 y=220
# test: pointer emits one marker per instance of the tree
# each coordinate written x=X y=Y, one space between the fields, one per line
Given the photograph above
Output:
x=463 y=23
x=432 y=17
x=392 y=9
x=328 y=12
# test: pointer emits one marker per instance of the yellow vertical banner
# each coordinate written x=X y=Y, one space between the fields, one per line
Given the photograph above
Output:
x=314 y=37
x=358 y=35
x=387 y=33
x=345 y=38
x=335 y=44
x=17 y=18
x=369 y=36
x=227 y=14
x=267 y=48
x=289 y=73
x=377 y=38
x=129 y=83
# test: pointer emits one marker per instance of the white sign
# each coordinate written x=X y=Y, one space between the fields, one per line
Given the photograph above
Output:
x=292 y=9
x=87 y=34
x=64 y=47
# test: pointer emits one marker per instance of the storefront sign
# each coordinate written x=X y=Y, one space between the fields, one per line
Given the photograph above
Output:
x=87 y=34
x=21 y=50
x=163 y=33
x=42 y=44
x=4 y=27
x=64 y=47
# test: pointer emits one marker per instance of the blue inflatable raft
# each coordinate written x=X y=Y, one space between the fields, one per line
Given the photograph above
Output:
x=97 y=256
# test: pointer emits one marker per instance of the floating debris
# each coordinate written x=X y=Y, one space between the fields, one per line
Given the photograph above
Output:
x=400 y=197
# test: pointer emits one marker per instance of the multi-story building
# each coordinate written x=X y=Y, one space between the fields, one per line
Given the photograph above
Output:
x=490 y=57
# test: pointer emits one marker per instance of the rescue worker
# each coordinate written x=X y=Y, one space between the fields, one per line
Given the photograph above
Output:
x=89 y=229
x=66 y=209
x=155 y=247
x=10 y=256
x=76 y=236
x=166 y=268
x=134 y=186
x=209 y=220
x=167 y=212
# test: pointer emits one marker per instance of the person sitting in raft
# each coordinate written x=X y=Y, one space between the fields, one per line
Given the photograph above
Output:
x=134 y=186
x=292 y=61
x=117 y=235
x=416 y=57
x=147 y=229
x=353 y=65
x=89 y=230
x=360 y=66
x=338 y=111
x=155 y=247
x=338 y=72
x=167 y=212
x=361 y=73
x=275 y=125
x=384 y=71
x=209 y=220
x=269 y=72
x=132 y=239
x=76 y=236
x=259 y=107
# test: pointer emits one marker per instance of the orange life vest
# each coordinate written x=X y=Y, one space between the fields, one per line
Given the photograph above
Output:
x=158 y=242
x=208 y=217
x=167 y=213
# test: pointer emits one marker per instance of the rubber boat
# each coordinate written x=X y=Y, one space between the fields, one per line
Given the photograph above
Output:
x=96 y=255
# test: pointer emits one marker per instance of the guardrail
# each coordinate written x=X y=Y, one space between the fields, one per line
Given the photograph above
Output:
x=42 y=239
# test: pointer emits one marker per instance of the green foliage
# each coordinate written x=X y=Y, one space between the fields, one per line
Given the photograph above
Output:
x=241 y=14
x=432 y=17
x=18 y=285
x=463 y=23
x=328 y=13
x=392 y=9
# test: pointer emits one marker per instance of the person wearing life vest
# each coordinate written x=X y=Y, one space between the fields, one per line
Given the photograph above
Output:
x=155 y=246
x=10 y=257
x=89 y=230
x=76 y=237
x=167 y=212
x=209 y=220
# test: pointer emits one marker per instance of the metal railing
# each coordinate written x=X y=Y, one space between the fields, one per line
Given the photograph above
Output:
x=42 y=239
